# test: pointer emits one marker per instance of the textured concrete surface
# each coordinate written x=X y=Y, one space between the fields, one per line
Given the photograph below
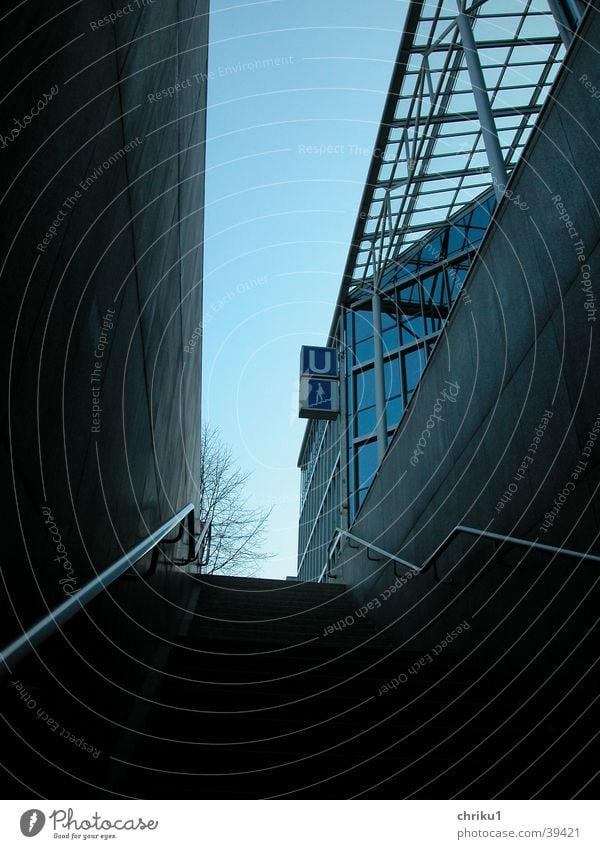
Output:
x=521 y=342
x=130 y=241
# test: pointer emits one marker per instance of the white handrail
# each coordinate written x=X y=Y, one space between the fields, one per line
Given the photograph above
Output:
x=459 y=529
x=51 y=623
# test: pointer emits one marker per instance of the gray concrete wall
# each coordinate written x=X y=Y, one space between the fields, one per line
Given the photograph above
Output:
x=130 y=242
x=521 y=341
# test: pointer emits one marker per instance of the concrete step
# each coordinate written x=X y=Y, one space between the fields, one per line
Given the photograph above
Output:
x=243 y=584
x=281 y=766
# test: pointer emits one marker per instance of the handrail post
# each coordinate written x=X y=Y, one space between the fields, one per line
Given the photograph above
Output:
x=191 y=536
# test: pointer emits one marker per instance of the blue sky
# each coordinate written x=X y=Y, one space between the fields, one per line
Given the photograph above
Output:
x=295 y=97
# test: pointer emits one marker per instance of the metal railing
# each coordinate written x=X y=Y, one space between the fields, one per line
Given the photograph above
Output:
x=432 y=559
x=51 y=623
x=339 y=535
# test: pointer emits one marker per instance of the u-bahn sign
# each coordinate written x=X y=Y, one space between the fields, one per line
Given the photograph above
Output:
x=319 y=362
x=319 y=385
x=319 y=398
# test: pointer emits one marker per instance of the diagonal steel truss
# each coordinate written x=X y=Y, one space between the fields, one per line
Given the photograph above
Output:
x=430 y=158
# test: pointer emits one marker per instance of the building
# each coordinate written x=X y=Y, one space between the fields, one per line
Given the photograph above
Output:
x=455 y=498
x=466 y=108
x=103 y=132
x=102 y=137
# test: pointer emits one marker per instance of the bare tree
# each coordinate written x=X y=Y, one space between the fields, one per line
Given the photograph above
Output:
x=238 y=530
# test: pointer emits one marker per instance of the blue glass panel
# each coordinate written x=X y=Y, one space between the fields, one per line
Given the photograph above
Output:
x=393 y=385
x=390 y=339
x=432 y=287
x=394 y=411
x=416 y=324
x=456 y=240
x=364 y=351
x=363 y=326
x=434 y=323
x=388 y=275
x=456 y=275
x=410 y=294
x=432 y=251
x=387 y=320
x=404 y=271
x=365 y=389
x=367 y=463
x=366 y=422
x=480 y=217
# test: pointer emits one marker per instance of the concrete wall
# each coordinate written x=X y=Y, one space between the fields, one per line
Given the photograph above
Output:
x=130 y=242
x=522 y=340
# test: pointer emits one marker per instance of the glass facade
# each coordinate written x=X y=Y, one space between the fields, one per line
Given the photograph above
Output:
x=320 y=495
x=428 y=200
x=417 y=292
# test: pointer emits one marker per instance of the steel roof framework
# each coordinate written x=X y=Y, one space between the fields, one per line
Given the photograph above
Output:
x=430 y=159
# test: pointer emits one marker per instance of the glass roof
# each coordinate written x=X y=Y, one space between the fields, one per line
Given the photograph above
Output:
x=429 y=158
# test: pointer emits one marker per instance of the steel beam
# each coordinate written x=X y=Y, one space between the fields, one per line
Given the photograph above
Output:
x=379 y=376
x=482 y=102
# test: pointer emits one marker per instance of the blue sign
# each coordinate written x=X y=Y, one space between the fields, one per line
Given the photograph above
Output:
x=320 y=394
x=318 y=361
x=319 y=398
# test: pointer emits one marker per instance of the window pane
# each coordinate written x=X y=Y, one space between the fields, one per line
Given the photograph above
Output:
x=363 y=327
x=394 y=411
x=388 y=320
x=410 y=294
x=414 y=327
x=456 y=240
x=366 y=421
x=363 y=351
x=367 y=464
x=392 y=378
x=390 y=339
x=432 y=285
x=365 y=389
x=456 y=275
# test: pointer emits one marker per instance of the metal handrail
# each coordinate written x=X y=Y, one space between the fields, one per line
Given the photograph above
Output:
x=459 y=529
x=51 y=623
x=338 y=534
x=504 y=538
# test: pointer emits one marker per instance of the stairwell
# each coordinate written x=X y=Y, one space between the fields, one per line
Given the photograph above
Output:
x=277 y=689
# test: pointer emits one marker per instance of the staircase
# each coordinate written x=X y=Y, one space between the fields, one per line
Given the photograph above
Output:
x=275 y=689
x=261 y=697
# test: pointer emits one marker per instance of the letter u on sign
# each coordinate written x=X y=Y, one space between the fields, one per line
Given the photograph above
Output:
x=318 y=361
x=327 y=362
